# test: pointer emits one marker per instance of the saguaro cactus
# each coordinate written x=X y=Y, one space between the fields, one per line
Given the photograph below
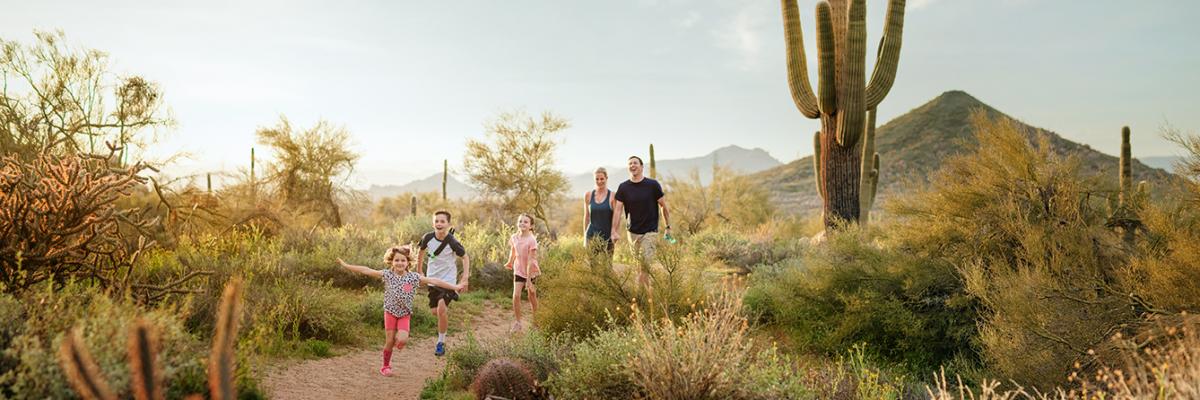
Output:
x=845 y=164
x=445 y=176
x=653 y=164
x=1125 y=215
x=413 y=204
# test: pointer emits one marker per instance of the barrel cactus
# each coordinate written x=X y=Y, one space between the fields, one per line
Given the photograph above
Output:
x=504 y=378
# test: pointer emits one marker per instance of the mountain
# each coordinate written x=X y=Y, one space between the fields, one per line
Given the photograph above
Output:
x=915 y=144
x=739 y=159
x=1161 y=162
x=454 y=188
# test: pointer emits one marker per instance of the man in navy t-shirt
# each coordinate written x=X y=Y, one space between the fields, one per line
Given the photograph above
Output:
x=639 y=198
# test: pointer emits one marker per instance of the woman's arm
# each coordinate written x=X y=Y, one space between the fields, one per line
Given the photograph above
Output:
x=374 y=273
x=587 y=212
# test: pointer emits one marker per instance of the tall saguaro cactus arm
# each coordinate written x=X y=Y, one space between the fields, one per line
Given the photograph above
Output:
x=801 y=88
x=888 y=61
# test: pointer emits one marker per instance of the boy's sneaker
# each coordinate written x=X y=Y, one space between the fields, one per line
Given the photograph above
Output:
x=386 y=371
x=440 y=350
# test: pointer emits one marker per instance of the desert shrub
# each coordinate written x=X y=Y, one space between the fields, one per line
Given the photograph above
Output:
x=61 y=220
x=1021 y=226
x=314 y=254
x=1161 y=362
x=728 y=200
x=1162 y=272
x=910 y=310
x=708 y=355
x=744 y=251
x=505 y=378
x=49 y=313
x=588 y=290
x=595 y=368
x=539 y=353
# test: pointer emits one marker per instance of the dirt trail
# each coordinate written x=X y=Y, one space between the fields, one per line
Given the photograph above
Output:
x=356 y=375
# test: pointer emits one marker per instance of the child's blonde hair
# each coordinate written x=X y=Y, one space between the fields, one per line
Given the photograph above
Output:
x=405 y=251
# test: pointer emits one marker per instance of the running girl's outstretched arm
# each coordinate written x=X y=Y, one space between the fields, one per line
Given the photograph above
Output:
x=439 y=283
x=374 y=273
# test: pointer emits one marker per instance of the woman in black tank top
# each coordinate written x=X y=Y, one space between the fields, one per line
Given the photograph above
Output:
x=598 y=214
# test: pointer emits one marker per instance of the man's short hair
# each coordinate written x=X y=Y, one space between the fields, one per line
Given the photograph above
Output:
x=442 y=212
x=640 y=162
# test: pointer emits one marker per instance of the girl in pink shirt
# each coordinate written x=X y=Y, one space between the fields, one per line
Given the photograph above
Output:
x=522 y=260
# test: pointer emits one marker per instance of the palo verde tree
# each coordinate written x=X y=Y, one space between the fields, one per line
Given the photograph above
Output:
x=845 y=159
x=310 y=167
x=515 y=162
x=61 y=100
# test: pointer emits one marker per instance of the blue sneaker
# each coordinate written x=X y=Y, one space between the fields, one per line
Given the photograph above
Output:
x=440 y=350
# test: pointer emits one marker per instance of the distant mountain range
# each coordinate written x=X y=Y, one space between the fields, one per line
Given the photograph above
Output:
x=1161 y=162
x=454 y=188
x=736 y=158
x=739 y=159
x=914 y=145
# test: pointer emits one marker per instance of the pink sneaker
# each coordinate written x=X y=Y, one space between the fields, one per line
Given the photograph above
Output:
x=386 y=371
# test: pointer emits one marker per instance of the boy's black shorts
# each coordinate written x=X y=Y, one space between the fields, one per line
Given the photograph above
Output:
x=437 y=293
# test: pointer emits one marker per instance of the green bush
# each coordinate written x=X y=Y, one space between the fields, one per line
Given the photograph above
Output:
x=911 y=310
x=1025 y=231
x=105 y=323
x=743 y=251
x=539 y=352
x=595 y=368
x=583 y=292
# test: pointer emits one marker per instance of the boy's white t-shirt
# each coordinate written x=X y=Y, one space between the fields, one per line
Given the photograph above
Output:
x=442 y=266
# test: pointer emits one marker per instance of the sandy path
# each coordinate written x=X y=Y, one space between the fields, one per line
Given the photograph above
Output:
x=356 y=375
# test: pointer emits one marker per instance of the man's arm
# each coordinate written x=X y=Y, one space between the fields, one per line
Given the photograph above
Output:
x=666 y=213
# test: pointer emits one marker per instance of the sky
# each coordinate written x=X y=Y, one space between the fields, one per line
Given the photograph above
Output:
x=412 y=81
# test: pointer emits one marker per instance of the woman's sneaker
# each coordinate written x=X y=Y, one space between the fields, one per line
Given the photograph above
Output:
x=385 y=371
x=440 y=350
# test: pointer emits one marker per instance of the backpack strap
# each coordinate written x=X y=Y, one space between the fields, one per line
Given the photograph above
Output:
x=441 y=247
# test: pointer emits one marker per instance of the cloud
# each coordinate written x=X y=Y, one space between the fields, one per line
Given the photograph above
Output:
x=743 y=33
x=689 y=20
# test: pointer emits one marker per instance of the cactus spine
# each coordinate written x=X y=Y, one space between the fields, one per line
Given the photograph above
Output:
x=445 y=175
x=653 y=165
x=846 y=167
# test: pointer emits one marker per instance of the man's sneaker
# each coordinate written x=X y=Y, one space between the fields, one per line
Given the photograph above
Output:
x=440 y=350
x=385 y=371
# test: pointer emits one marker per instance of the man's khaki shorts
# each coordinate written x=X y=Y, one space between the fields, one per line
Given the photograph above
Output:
x=643 y=247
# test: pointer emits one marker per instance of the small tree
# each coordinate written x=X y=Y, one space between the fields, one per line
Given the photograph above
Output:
x=310 y=166
x=516 y=161
x=61 y=100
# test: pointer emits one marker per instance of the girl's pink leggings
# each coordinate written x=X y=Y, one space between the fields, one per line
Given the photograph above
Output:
x=392 y=323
